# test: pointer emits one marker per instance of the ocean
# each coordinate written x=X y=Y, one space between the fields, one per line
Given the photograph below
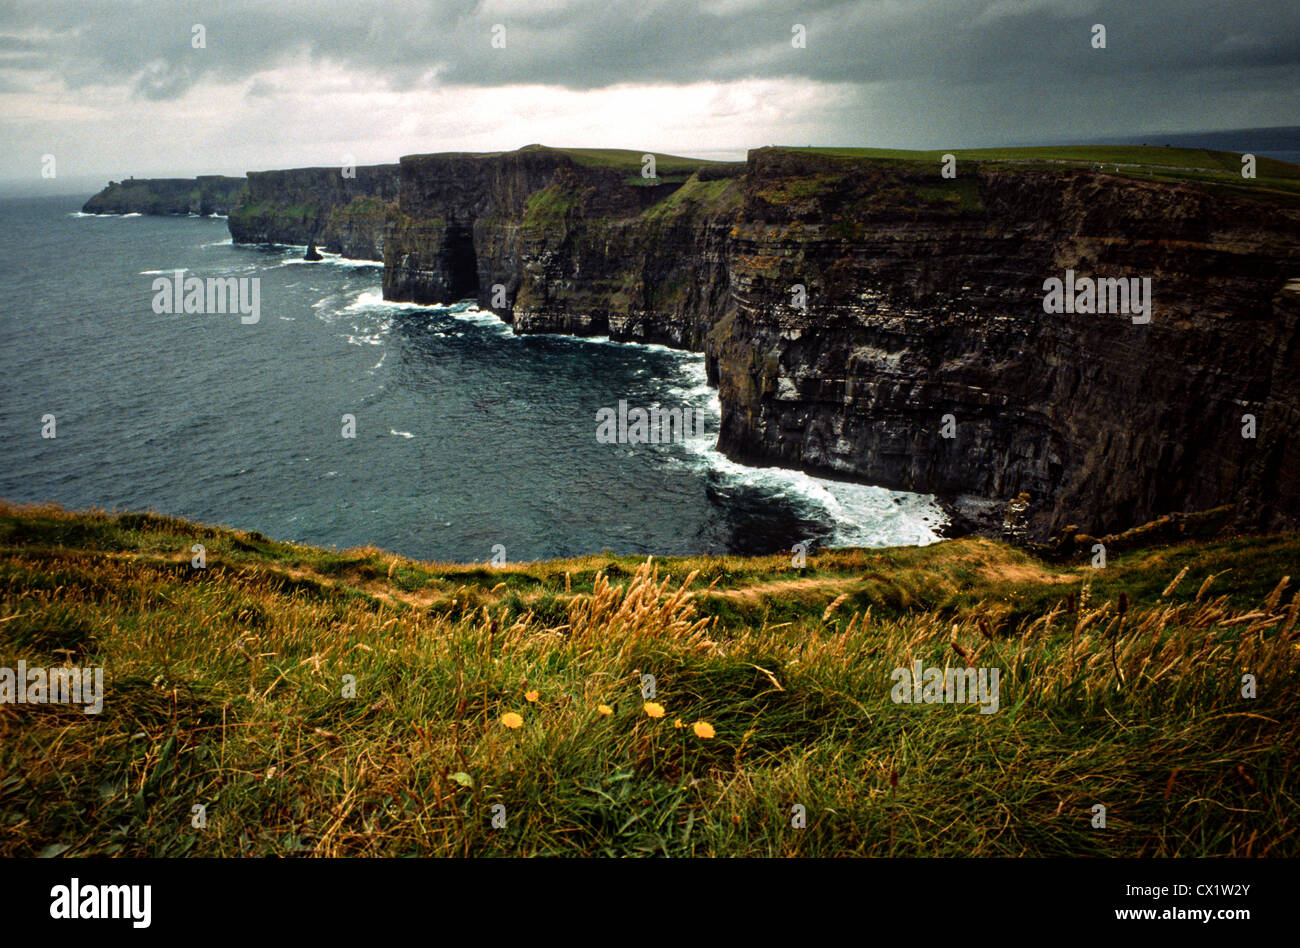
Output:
x=470 y=441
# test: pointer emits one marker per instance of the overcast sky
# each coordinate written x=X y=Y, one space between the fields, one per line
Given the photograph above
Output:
x=118 y=88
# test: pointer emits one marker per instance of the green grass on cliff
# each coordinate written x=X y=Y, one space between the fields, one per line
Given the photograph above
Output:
x=224 y=688
x=1147 y=155
x=624 y=159
x=699 y=197
x=547 y=207
x=260 y=215
x=1146 y=162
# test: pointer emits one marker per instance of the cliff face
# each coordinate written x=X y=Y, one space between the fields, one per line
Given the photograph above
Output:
x=206 y=194
x=923 y=299
x=347 y=215
x=527 y=221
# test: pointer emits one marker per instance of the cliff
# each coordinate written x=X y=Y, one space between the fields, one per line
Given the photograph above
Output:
x=342 y=214
x=924 y=308
x=529 y=221
x=206 y=194
x=924 y=299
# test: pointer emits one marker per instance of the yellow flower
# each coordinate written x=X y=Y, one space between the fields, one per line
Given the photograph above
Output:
x=703 y=729
x=530 y=696
x=510 y=719
x=678 y=723
x=654 y=710
x=604 y=709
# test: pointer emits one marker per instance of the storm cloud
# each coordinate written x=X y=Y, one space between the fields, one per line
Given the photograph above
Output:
x=903 y=73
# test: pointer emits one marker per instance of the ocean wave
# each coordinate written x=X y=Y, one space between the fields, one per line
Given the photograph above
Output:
x=211 y=270
x=374 y=299
x=859 y=514
x=484 y=318
x=337 y=260
x=647 y=346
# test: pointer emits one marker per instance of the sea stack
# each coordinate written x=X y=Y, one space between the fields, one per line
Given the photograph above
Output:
x=312 y=253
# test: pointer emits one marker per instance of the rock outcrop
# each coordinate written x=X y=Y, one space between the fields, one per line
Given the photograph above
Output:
x=920 y=356
x=204 y=195
x=343 y=213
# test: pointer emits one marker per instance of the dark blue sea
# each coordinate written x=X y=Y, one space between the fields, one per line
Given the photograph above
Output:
x=467 y=436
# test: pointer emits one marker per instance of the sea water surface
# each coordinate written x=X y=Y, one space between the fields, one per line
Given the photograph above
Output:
x=468 y=437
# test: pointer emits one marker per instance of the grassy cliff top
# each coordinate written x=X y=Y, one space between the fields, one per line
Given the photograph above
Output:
x=225 y=686
x=1147 y=162
x=1143 y=155
x=624 y=159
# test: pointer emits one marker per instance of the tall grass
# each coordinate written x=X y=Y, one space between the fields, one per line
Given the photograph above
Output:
x=226 y=689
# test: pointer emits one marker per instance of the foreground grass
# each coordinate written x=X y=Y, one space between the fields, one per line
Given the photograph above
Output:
x=225 y=688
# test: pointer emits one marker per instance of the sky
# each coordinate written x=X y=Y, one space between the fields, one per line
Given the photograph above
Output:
x=113 y=89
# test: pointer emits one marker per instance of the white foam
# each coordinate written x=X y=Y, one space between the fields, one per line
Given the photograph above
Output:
x=374 y=299
x=648 y=346
x=486 y=318
x=401 y=434
x=862 y=514
x=133 y=214
x=337 y=260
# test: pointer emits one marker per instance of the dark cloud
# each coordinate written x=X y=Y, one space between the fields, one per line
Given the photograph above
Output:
x=98 y=74
x=584 y=45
